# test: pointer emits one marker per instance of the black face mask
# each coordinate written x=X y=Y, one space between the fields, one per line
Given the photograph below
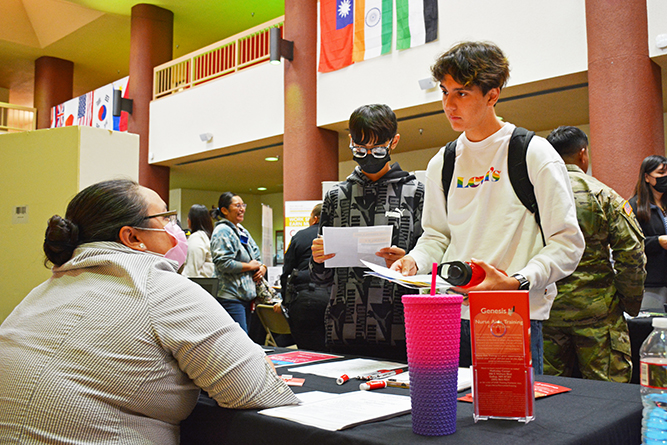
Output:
x=661 y=184
x=371 y=164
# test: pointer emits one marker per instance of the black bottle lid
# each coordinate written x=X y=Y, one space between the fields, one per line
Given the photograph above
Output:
x=459 y=273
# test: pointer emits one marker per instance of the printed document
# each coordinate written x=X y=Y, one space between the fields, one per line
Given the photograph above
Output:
x=342 y=411
x=353 y=244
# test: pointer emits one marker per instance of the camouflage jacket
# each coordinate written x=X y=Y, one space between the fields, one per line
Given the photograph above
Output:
x=601 y=281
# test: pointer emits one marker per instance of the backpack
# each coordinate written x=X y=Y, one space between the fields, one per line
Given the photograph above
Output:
x=518 y=171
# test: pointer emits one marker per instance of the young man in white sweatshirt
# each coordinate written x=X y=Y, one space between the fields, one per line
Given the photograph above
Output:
x=482 y=220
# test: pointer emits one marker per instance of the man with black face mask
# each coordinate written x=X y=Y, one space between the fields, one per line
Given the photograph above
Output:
x=365 y=314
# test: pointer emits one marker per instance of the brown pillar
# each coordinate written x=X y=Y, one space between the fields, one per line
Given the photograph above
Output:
x=151 y=41
x=625 y=92
x=310 y=154
x=54 y=80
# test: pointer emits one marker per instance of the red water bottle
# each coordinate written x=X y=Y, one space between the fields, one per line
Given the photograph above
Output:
x=463 y=274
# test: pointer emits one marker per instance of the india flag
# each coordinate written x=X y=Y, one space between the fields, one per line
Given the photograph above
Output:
x=373 y=28
x=416 y=22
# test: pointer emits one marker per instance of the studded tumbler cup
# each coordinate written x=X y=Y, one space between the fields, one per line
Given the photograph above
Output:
x=432 y=330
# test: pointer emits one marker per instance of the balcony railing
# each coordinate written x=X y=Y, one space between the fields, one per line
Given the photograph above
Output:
x=222 y=58
x=15 y=118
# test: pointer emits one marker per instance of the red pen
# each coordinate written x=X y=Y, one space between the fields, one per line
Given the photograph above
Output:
x=381 y=374
x=373 y=384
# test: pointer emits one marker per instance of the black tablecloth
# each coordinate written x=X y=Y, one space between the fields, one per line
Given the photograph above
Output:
x=592 y=413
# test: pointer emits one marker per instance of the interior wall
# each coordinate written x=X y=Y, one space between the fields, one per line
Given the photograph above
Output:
x=183 y=199
x=106 y=154
x=542 y=50
x=40 y=170
x=177 y=121
x=4 y=95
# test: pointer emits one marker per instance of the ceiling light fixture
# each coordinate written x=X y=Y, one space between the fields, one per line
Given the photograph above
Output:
x=272 y=158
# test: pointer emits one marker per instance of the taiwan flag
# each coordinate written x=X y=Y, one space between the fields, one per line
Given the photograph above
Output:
x=336 y=33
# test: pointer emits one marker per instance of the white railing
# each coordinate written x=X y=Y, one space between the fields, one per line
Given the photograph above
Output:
x=216 y=60
x=15 y=118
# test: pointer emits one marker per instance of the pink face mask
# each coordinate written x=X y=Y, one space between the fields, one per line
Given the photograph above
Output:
x=179 y=252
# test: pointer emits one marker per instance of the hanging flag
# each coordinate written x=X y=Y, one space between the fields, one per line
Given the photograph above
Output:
x=416 y=22
x=58 y=116
x=70 y=111
x=85 y=112
x=336 y=26
x=373 y=28
x=103 y=99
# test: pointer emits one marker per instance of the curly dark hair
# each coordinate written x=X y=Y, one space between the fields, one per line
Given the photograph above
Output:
x=480 y=64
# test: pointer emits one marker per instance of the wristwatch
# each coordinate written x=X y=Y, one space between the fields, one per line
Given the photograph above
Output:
x=524 y=284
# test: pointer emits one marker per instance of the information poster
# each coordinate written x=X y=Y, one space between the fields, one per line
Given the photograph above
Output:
x=297 y=217
x=501 y=357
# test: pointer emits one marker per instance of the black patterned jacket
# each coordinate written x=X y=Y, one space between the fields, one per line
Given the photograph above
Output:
x=367 y=310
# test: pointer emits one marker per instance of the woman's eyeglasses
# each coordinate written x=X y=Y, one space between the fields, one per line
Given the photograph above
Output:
x=170 y=216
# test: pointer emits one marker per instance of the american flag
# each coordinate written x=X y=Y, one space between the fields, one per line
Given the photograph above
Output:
x=85 y=113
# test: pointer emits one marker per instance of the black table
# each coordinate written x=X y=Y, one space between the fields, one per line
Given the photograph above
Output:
x=592 y=413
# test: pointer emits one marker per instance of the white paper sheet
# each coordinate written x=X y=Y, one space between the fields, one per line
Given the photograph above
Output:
x=341 y=411
x=413 y=281
x=352 y=244
x=352 y=368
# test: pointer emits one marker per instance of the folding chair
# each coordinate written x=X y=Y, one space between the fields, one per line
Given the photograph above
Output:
x=209 y=284
x=273 y=322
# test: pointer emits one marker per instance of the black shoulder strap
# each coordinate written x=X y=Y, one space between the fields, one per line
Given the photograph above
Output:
x=448 y=167
x=518 y=172
x=516 y=164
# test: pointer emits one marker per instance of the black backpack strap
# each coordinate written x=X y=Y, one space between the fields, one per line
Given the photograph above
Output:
x=448 y=167
x=518 y=172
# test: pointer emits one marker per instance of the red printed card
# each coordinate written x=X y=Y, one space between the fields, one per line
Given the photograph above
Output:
x=502 y=371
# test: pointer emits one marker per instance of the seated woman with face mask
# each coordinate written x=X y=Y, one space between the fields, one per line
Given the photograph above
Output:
x=115 y=346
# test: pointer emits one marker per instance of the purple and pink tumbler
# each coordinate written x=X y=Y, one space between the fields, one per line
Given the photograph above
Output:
x=432 y=329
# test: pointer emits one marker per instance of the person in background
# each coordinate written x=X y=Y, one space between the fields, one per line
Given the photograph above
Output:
x=199 y=262
x=236 y=258
x=305 y=300
x=365 y=314
x=586 y=327
x=650 y=206
x=481 y=219
x=115 y=346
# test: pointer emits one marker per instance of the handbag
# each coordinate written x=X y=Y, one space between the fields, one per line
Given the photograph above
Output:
x=265 y=293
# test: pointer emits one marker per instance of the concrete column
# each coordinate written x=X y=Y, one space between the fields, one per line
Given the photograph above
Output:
x=151 y=41
x=310 y=154
x=54 y=80
x=625 y=92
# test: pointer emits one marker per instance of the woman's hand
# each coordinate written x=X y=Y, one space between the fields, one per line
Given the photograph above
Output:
x=260 y=272
x=390 y=254
x=406 y=265
x=318 y=250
